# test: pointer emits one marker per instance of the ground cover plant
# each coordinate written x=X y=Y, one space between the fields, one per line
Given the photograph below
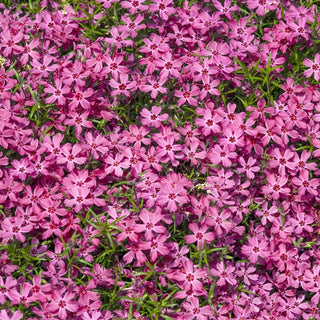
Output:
x=159 y=159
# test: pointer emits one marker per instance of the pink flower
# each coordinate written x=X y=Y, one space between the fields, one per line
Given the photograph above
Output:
x=78 y=120
x=223 y=155
x=79 y=198
x=284 y=259
x=302 y=222
x=75 y=74
x=129 y=231
x=150 y=224
x=276 y=186
x=115 y=164
x=194 y=311
x=69 y=156
x=153 y=117
x=135 y=251
x=155 y=86
x=200 y=235
x=225 y=9
x=17 y=315
x=189 y=276
x=168 y=150
x=15 y=227
x=172 y=195
x=281 y=160
x=123 y=87
x=187 y=95
x=192 y=154
x=118 y=39
x=63 y=303
x=232 y=138
x=22 y=168
x=158 y=246
x=255 y=249
x=114 y=66
x=164 y=7
x=314 y=67
x=80 y=98
x=58 y=93
x=132 y=26
x=10 y=42
x=225 y=274
x=305 y=184
x=134 y=5
x=248 y=167
x=219 y=221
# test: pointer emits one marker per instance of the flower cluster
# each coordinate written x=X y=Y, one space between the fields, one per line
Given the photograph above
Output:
x=159 y=160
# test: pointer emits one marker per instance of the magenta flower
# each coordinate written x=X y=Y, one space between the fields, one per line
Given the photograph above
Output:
x=69 y=156
x=75 y=74
x=248 y=167
x=80 y=98
x=78 y=120
x=129 y=231
x=261 y=6
x=314 y=67
x=169 y=65
x=219 y=221
x=58 y=92
x=194 y=311
x=135 y=251
x=123 y=87
x=223 y=155
x=155 y=86
x=255 y=249
x=153 y=117
x=200 y=235
x=134 y=5
x=232 y=138
x=23 y=297
x=209 y=86
x=17 y=315
x=225 y=9
x=305 y=184
x=187 y=95
x=29 y=52
x=171 y=196
x=63 y=303
x=116 y=164
x=178 y=255
x=283 y=258
x=118 y=39
x=10 y=42
x=276 y=186
x=96 y=143
x=22 y=169
x=163 y=7
x=79 y=198
x=302 y=222
x=281 y=161
x=189 y=276
x=192 y=154
x=158 y=246
x=15 y=227
x=132 y=26
x=169 y=150
x=150 y=225
x=209 y=123
x=225 y=274
x=114 y=66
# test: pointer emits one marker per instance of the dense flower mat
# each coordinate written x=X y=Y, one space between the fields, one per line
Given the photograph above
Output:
x=159 y=160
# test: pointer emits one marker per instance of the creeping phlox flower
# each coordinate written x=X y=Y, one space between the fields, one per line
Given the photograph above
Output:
x=159 y=159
